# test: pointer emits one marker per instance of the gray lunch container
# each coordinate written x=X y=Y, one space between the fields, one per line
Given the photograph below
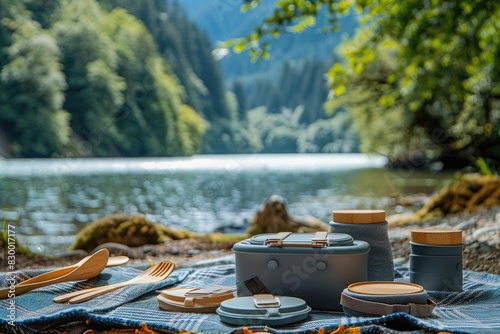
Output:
x=243 y=311
x=397 y=298
x=313 y=267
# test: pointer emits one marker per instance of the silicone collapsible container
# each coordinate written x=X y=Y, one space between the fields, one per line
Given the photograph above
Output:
x=244 y=311
x=382 y=298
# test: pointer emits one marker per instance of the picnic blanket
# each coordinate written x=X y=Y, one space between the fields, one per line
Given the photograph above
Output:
x=475 y=310
x=35 y=311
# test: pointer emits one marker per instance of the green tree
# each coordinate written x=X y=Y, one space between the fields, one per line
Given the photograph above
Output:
x=333 y=135
x=239 y=92
x=152 y=97
x=447 y=75
x=298 y=83
x=383 y=122
x=191 y=130
x=278 y=132
x=31 y=86
x=94 y=93
x=188 y=52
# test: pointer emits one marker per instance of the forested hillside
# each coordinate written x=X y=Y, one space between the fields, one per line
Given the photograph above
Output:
x=138 y=78
x=419 y=79
x=291 y=81
x=146 y=78
x=70 y=81
x=88 y=78
x=188 y=51
x=224 y=19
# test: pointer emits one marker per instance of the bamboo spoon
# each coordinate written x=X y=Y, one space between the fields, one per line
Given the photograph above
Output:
x=114 y=261
x=88 y=267
x=156 y=273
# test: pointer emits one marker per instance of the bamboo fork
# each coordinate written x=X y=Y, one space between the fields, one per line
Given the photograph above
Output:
x=156 y=273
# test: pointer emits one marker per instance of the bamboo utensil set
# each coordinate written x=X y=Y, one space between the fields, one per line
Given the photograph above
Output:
x=153 y=274
x=87 y=268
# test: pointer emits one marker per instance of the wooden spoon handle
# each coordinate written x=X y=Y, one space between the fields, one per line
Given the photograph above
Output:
x=4 y=293
x=19 y=289
x=52 y=277
x=47 y=276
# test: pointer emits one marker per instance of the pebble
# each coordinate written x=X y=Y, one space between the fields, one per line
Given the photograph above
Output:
x=193 y=252
x=481 y=231
x=470 y=223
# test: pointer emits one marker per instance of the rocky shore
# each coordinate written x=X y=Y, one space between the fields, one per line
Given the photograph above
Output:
x=481 y=250
x=470 y=204
x=481 y=238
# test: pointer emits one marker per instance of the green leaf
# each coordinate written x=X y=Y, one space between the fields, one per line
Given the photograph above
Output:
x=240 y=47
x=339 y=90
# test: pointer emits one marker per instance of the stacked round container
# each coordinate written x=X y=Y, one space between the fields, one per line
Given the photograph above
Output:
x=436 y=259
x=382 y=298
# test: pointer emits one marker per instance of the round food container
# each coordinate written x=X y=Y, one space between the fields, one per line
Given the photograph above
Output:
x=436 y=259
x=366 y=299
x=199 y=300
x=263 y=309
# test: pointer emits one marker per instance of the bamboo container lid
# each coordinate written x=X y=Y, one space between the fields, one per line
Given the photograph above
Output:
x=436 y=236
x=358 y=216
x=385 y=288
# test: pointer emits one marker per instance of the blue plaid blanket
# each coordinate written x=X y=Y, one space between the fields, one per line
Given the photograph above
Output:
x=475 y=310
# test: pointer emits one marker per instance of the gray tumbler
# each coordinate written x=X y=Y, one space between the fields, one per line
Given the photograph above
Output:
x=436 y=259
x=369 y=226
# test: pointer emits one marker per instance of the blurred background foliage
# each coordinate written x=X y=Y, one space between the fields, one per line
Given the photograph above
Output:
x=142 y=78
x=418 y=76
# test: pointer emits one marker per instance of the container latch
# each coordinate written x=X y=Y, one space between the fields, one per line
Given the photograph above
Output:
x=265 y=301
x=319 y=240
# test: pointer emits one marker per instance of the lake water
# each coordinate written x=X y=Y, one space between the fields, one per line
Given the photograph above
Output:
x=50 y=200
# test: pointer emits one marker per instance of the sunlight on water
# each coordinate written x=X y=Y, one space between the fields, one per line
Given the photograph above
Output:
x=51 y=200
x=201 y=162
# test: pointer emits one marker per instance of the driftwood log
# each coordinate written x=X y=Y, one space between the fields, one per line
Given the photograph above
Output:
x=273 y=217
x=135 y=230
x=467 y=194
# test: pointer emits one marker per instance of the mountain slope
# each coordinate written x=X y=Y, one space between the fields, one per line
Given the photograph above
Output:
x=223 y=20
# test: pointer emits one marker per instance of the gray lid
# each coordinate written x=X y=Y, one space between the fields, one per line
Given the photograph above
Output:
x=334 y=243
x=334 y=239
x=246 y=311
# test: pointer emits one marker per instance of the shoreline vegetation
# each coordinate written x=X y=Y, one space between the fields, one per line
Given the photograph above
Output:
x=471 y=204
